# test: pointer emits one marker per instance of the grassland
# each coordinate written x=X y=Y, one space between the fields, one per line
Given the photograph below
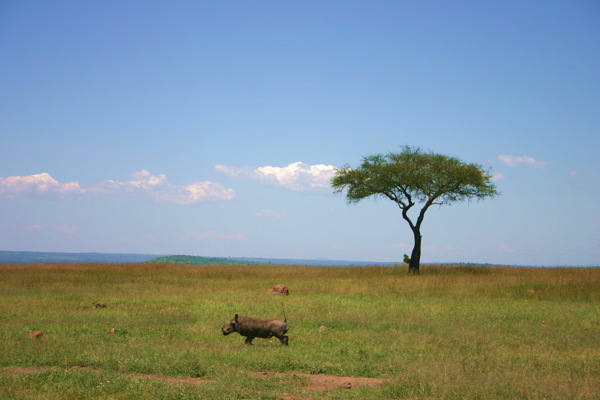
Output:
x=450 y=333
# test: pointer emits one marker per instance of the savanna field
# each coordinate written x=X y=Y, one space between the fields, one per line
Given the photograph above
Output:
x=452 y=332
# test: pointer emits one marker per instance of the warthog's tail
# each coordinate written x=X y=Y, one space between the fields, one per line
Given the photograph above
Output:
x=283 y=311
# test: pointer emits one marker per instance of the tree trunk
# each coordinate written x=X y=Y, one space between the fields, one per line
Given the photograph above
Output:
x=415 y=257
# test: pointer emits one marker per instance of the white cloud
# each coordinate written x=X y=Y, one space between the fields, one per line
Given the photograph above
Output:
x=143 y=184
x=529 y=161
x=160 y=190
x=37 y=185
x=296 y=176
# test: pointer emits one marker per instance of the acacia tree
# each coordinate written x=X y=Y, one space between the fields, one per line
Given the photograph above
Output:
x=414 y=177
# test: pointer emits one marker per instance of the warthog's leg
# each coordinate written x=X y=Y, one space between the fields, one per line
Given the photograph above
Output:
x=249 y=340
x=283 y=340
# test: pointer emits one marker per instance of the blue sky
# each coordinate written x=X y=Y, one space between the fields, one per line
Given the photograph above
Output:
x=212 y=128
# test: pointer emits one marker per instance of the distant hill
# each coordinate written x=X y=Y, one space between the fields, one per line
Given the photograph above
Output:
x=314 y=262
x=32 y=257
x=193 y=260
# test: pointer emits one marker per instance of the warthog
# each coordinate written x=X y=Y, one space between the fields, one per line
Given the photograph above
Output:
x=254 y=327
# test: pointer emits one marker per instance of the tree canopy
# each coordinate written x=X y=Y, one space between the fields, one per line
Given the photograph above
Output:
x=414 y=177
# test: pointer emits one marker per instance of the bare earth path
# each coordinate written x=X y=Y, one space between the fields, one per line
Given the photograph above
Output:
x=317 y=382
x=326 y=382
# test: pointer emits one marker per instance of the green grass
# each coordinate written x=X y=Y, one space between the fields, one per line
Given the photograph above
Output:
x=450 y=333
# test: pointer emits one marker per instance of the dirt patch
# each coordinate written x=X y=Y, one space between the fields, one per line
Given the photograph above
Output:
x=324 y=382
x=327 y=382
x=15 y=372
x=83 y=368
x=172 y=379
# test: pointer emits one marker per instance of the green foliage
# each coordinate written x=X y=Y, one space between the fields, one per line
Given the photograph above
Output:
x=193 y=260
x=414 y=176
x=455 y=332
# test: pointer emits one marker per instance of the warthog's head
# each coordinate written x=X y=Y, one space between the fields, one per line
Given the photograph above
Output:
x=227 y=329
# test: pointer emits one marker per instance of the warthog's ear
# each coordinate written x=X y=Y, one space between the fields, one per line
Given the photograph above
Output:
x=236 y=317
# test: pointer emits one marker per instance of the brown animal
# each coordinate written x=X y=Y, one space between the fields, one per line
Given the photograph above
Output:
x=280 y=290
x=254 y=327
x=36 y=334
